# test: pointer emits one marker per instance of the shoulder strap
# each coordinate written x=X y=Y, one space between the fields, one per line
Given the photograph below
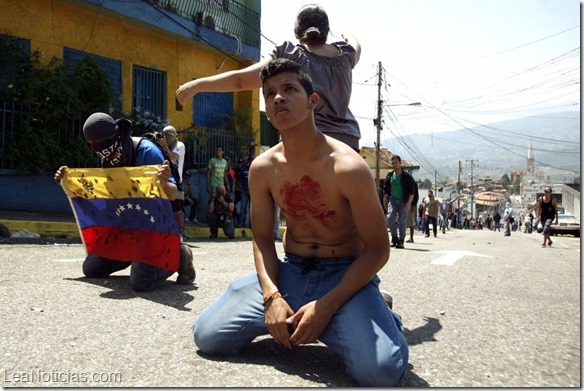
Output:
x=173 y=166
x=136 y=142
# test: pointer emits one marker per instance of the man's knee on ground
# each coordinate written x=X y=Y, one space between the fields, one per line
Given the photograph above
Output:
x=385 y=373
x=139 y=284
x=93 y=267
x=205 y=338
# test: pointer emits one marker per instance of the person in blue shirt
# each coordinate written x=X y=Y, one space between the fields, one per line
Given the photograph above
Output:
x=112 y=141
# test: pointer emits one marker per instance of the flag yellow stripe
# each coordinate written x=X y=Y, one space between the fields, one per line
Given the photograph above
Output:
x=119 y=182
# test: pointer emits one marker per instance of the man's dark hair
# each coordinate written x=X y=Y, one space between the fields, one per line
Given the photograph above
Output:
x=397 y=157
x=281 y=65
x=220 y=146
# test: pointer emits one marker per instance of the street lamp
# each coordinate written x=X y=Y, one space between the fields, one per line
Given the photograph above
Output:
x=377 y=123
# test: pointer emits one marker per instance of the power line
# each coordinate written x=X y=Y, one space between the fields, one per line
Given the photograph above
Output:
x=524 y=45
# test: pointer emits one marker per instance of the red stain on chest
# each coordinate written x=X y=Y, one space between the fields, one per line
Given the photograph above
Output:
x=305 y=200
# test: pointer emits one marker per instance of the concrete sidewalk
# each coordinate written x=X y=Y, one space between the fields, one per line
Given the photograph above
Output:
x=479 y=309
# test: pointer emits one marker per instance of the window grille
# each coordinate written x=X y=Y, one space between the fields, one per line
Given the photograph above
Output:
x=149 y=90
x=212 y=109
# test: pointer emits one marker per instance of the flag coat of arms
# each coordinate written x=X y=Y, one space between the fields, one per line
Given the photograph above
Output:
x=123 y=214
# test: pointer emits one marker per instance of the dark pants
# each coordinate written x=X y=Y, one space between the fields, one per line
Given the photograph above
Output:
x=143 y=277
x=215 y=222
x=429 y=219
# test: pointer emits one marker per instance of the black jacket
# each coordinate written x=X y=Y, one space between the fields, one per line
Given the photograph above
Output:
x=408 y=184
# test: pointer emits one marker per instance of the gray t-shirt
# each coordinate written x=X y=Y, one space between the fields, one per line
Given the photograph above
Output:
x=332 y=80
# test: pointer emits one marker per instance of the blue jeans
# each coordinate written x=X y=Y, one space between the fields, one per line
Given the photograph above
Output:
x=143 y=277
x=244 y=209
x=366 y=334
x=397 y=207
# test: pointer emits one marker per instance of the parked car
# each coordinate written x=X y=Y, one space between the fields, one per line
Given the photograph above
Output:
x=567 y=225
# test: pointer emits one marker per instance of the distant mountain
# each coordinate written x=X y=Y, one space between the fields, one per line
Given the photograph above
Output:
x=555 y=139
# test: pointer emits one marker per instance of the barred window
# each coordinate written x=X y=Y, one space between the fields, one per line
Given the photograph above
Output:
x=212 y=109
x=149 y=90
x=113 y=69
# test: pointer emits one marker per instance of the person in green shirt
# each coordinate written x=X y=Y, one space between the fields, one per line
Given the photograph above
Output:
x=398 y=196
x=217 y=172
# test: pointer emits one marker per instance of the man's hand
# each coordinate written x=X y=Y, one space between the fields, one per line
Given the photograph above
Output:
x=60 y=174
x=186 y=91
x=164 y=172
x=276 y=312
x=308 y=325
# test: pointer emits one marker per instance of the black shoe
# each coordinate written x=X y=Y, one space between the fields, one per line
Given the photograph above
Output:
x=399 y=244
x=212 y=236
x=394 y=241
x=186 y=271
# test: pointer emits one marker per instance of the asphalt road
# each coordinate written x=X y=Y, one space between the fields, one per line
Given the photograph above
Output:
x=480 y=309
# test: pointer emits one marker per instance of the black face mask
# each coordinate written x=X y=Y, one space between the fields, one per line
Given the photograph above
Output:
x=109 y=151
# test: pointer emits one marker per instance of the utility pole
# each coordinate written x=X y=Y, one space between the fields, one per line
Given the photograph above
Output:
x=459 y=214
x=472 y=161
x=435 y=185
x=377 y=123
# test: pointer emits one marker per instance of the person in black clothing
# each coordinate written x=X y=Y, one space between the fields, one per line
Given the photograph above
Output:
x=412 y=215
x=497 y=221
x=547 y=210
x=398 y=195
x=220 y=210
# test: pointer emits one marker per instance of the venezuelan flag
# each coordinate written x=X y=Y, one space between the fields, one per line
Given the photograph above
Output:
x=123 y=214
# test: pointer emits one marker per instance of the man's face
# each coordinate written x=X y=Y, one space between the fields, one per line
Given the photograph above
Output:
x=287 y=103
x=109 y=150
x=430 y=193
x=395 y=163
x=219 y=153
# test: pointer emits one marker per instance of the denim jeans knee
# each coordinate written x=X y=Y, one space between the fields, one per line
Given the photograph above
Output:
x=233 y=320
x=95 y=266
x=144 y=277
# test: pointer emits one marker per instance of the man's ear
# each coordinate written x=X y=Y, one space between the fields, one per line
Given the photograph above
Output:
x=313 y=100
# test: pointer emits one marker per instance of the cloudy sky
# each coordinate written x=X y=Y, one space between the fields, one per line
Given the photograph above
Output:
x=466 y=62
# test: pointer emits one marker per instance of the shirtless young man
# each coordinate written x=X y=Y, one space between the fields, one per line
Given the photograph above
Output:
x=326 y=288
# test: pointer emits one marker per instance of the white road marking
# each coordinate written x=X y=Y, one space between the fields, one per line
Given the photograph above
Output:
x=450 y=257
x=562 y=244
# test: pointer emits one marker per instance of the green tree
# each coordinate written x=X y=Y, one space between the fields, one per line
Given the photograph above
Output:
x=517 y=186
x=505 y=181
x=426 y=184
x=93 y=88
x=50 y=109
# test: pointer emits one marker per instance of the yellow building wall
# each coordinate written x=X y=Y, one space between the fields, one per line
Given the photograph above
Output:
x=50 y=26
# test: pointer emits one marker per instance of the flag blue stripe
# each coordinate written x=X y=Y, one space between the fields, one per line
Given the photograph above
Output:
x=153 y=214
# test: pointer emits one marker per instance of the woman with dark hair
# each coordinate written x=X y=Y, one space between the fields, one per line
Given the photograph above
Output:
x=329 y=65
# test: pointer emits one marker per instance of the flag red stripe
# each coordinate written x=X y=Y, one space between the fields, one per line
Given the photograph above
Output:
x=157 y=249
